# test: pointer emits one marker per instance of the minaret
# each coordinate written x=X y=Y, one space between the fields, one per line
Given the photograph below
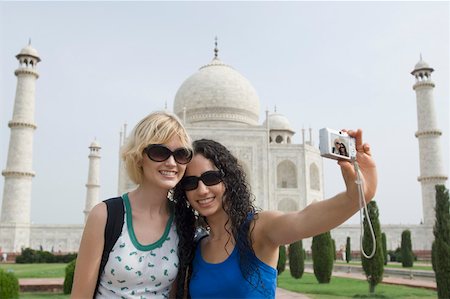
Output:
x=93 y=184
x=18 y=173
x=431 y=170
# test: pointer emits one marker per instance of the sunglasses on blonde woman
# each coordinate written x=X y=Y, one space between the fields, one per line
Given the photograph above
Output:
x=160 y=153
x=209 y=178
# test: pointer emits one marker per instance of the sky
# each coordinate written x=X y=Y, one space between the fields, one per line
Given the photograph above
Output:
x=322 y=64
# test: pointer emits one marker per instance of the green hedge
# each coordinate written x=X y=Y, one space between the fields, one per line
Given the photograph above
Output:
x=31 y=256
x=9 y=285
x=68 y=279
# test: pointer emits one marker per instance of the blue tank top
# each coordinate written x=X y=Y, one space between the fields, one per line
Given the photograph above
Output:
x=225 y=280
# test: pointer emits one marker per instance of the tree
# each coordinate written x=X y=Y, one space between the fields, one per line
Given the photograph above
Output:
x=440 y=250
x=348 y=251
x=322 y=255
x=373 y=267
x=68 y=278
x=384 y=246
x=406 y=248
x=333 y=243
x=281 y=259
x=296 y=259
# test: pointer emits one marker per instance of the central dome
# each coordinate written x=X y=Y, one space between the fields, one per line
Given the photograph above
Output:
x=217 y=95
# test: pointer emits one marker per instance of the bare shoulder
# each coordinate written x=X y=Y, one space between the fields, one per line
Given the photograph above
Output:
x=267 y=216
x=263 y=220
x=97 y=216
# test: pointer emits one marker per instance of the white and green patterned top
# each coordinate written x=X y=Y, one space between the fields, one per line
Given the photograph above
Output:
x=140 y=271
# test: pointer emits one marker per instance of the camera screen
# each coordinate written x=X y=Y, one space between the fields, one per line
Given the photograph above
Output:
x=339 y=145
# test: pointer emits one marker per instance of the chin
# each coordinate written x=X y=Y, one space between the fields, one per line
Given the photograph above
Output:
x=169 y=185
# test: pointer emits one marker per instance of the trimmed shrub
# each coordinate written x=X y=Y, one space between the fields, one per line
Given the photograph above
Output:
x=322 y=254
x=296 y=259
x=440 y=250
x=281 y=265
x=348 y=251
x=30 y=256
x=333 y=243
x=406 y=249
x=373 y=267
x=9 y=285
x=384 y=246
x=68 y=278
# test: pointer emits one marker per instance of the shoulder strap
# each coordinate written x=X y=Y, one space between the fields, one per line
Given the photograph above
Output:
x=113 y=229
x=200 y=233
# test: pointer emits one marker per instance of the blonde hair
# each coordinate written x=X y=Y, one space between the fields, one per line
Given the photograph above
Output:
x=156 y=128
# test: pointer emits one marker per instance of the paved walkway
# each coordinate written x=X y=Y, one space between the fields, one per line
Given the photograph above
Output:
x=55 y=284
x=35 y=284
x=285 y=294
x=418 y=283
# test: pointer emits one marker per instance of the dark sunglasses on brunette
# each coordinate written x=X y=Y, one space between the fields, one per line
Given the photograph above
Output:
x=209 y=178
x=159 y=153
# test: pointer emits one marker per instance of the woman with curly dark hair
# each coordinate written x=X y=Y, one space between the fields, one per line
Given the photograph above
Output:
x=238 y=256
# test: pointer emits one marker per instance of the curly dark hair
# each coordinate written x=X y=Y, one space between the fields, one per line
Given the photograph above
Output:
x=238 y=204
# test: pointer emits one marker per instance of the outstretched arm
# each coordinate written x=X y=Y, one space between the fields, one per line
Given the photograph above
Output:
x=90 y=254
x=279 y=228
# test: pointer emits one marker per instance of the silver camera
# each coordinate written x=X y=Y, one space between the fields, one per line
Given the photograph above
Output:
x=336 y=144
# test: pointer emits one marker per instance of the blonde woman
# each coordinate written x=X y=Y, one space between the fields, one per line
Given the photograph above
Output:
x=143 y=263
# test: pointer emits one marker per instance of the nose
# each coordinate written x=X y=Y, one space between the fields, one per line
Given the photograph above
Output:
x=202 y=188
x=170 y=161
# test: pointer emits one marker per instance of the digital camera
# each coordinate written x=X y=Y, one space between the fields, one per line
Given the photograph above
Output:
x=336 y=144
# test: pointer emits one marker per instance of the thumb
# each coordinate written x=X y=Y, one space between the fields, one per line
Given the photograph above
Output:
x=348 y=171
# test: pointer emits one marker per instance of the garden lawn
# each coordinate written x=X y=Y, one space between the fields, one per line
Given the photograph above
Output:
x=43 y=296
x=36 y=270
x=340 y=288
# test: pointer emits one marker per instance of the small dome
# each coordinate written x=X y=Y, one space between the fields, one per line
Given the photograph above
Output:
x=95 y=144
x=29 y=51
x=279 y=122
x=217 y=95
x=421 y=65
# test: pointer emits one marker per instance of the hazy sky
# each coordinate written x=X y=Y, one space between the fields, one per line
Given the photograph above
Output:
x=322 y=64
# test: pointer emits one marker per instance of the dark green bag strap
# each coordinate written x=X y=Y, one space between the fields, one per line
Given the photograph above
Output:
x=113 y=229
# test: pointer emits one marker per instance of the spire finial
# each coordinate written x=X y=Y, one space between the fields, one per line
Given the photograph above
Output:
x=216 y=50
x=421 y=57
x=29 y=41
x=275 y=108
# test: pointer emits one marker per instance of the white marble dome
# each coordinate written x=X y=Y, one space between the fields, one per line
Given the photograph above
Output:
x=422 y=65
x=29 y=51
x=95 y=144
x=278 y=122
x=217 y=95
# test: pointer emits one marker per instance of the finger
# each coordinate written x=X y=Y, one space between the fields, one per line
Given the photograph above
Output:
x=346 y=169
x=358 y=139
x=367 y=150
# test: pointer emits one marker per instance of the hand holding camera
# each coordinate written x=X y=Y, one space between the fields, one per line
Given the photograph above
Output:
x=357 y=166
x=346 y=147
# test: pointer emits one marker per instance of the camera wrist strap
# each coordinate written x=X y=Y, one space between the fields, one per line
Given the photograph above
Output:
x=363 y=209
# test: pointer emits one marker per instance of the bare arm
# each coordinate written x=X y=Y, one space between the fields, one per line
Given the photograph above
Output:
x=277 y=228
x=90 y=254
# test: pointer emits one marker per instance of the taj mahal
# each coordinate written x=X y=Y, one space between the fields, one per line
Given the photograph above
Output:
x=216 y=102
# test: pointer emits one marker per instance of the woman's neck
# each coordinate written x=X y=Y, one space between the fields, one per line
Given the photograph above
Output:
x=150 y=199
x=219 y=227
